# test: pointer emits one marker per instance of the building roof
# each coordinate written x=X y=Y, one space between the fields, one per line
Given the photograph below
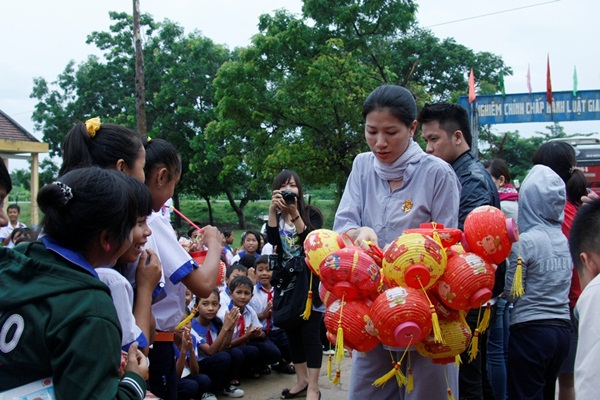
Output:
x=15 y=141
x=11 y=130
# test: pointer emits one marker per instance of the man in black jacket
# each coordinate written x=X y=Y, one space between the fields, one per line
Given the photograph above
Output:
x=446 y=131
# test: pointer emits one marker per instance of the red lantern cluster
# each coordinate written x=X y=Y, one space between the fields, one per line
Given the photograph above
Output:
x=424 y=273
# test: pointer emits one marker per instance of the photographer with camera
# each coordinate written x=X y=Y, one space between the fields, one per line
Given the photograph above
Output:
x=290 y=221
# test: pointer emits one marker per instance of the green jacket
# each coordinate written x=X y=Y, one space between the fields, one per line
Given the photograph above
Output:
x=57 y=320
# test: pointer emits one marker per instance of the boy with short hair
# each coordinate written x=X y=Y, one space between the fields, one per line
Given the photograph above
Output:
x=248 y=331
x=584 y=245
x=231 y=273
x=13 y=212
x=262 y=303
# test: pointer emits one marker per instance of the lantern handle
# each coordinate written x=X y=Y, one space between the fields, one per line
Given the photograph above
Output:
x=341 y=242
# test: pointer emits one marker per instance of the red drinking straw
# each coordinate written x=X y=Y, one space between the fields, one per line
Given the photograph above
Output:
x=187 y=219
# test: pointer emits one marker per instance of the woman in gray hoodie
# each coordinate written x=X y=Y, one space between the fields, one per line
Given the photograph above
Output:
x=540 y=328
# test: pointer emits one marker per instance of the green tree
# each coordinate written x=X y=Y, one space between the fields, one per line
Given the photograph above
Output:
x=179 y=70
x=293 y=97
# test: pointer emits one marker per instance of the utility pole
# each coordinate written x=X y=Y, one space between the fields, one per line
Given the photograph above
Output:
x=140 y=87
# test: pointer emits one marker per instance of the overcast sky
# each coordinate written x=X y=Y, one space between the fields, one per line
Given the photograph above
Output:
x=39 y=37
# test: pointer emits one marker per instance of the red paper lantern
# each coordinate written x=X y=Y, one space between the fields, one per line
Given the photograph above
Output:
x=442 y=310
x=350 y=272
x=466 y=283
x=402 y=316
x=200 y=256
x=448 y=236
x=326 y=296
x=457 y=337
x=318 y=245
x=414 y=260
x=359 y=333
x=489 y=234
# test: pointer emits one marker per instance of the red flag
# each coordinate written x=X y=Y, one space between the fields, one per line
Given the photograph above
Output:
x=528 y=80
x=548 y=82
x=472 y=94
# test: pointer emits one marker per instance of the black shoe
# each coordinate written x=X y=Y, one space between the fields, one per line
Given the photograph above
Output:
x=286 y=394
x=284 y=368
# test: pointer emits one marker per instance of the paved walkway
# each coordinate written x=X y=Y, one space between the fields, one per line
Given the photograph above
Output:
x=269 y=387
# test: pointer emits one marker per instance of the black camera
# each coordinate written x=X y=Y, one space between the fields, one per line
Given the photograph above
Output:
x=288 y=196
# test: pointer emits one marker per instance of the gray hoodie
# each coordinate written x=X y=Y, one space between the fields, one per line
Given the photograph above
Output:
x=547 y=266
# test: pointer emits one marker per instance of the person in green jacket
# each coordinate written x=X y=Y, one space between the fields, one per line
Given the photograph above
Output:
x=57 y=319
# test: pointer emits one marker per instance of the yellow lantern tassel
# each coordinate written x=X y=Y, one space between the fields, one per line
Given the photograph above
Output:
x=187 y=319
x=306 y=314
x=339 y=345
x=485 y=321
x=329 y=365
x=400 y=378
x=457 y=360
x=516 y=290
x=450 y=395
x=338 y=375
x=410 y=385
x=474 y=346
x=437 y=332
x=394 y=372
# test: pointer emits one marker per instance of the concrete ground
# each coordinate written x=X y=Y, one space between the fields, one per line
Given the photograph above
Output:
x=269 y=387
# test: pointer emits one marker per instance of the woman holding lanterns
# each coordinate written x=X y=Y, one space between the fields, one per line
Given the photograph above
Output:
x=396 y=186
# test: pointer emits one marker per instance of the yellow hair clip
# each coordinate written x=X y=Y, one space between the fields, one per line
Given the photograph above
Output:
x=148 y=139
x=92 y=125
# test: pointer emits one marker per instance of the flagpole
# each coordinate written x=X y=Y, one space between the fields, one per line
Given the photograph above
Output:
x=474 y=131
x=474 y=125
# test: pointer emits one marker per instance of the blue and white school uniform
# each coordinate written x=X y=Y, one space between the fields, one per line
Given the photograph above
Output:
x=203 y=335
x=122 y=295
x=222 y=366
x=176 y=265
x=248 y=319
x=260 y=298
x=268 y=353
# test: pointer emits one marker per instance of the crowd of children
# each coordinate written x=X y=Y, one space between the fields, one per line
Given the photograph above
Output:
x=149 y=278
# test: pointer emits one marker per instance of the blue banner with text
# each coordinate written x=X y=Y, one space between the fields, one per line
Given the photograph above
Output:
x=515 y=108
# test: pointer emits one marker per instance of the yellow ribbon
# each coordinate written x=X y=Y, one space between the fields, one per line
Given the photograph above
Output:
x=92 y=125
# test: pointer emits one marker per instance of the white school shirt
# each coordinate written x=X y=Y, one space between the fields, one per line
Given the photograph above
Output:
x=122 y=296
x=176 y=265
x=250 y=321
x=259 y=303
x=224 y=301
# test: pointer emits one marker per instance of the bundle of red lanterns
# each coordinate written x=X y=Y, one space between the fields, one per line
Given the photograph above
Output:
x=418 y=295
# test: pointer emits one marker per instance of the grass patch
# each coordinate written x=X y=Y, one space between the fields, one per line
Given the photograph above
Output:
x=223 y=214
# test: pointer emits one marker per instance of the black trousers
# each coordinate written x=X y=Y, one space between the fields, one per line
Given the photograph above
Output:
x=163 y=376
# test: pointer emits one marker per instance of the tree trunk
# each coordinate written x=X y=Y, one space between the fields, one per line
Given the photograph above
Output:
x=140 y=86
x=211 y=220
x=178 y=219
x=239 y=210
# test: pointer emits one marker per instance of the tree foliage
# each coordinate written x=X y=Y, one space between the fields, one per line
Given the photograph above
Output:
x=291 y=99
x=180 y=97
